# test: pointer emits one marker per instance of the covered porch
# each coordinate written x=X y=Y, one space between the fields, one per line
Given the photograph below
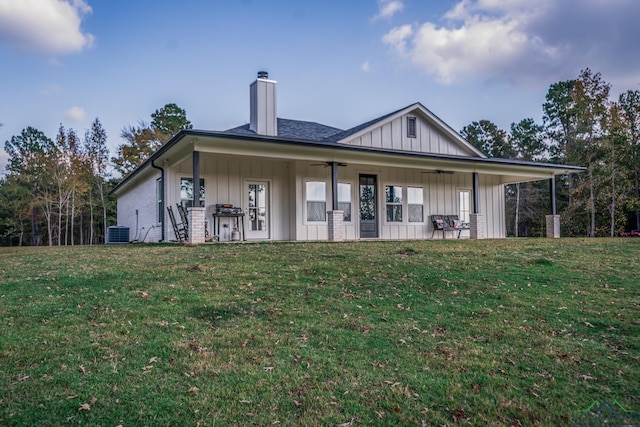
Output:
x=330 y=192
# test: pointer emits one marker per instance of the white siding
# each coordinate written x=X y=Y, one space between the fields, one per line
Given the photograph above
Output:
x=225 y=179
x=393 y=135
x=141 y=198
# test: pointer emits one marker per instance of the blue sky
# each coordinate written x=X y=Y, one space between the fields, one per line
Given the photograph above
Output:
x=339 y=63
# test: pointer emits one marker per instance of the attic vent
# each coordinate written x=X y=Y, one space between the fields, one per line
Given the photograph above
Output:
x=411 y=127
x=263 y=75
x=117 y=234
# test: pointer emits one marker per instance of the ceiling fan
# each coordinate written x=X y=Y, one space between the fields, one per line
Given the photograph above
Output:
x=440 y=172
x=327 y=164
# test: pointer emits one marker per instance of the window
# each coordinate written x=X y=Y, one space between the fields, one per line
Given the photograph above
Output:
x=344 y=200
x=464 y=205
x=186 y=192
x=394 y=203
x=411 y=127
x=415 y=204
x=316 y=201
x=159 y=200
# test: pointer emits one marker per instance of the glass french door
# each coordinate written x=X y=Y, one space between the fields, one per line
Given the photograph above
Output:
x=257 y=210
x=368 y=206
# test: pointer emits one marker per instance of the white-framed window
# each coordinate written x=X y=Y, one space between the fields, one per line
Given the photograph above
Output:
x=316 y=197
x=344 y=200
x=415 y=204
x=186 y=191
x=464 y=204
x=411 y=127
x=159 y=200
x=393 y=200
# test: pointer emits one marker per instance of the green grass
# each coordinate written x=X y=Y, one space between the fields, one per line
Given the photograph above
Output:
x=506 y=332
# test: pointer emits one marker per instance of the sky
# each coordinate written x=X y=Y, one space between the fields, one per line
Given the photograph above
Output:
x=337 y=62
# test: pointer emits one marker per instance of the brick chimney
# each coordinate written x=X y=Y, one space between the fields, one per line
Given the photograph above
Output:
x=263 y=118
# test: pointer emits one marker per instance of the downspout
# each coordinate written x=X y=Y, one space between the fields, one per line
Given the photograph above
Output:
x=163 y=198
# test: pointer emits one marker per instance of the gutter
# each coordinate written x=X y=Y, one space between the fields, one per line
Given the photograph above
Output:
x=164 y=198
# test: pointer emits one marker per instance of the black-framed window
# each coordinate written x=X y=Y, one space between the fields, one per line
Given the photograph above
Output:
x=344 y=200
x=186 y=192
x=316 y=196
x=415 y=204
x=159 y=200
x=393 y=199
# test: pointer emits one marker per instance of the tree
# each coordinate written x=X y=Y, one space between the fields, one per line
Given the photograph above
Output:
x=629 y=103
x=591 y=97
x=143 y=140
x=30 y=158
x=560 y=124
x=14 y=211
x=488 y=138
x=610 y=164
x=168 y=121
x=527 y=143
x=95 y=146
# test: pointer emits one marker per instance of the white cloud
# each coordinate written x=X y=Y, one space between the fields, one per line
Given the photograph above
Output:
x=523 y=41
x=397 y=38
x=44 y=26
x=388 y=8
x=365 y=67
x=76 y=114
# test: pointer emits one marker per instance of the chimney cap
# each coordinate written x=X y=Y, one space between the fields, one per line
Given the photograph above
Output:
x=263 y=75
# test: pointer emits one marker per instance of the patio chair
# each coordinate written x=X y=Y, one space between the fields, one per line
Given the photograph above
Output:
x=179 y=229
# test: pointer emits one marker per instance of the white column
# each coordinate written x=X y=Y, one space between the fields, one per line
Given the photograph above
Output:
x=553 y=226
x=196 y=225
x=476 y=226
x=336 y=229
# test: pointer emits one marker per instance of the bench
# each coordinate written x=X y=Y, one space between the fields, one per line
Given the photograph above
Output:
x=446 y=223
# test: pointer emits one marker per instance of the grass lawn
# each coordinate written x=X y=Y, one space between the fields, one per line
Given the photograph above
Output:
x=493 y=332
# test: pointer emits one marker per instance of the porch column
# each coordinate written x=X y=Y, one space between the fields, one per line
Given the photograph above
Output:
x=196 y=225
x=196 y=213
x=553 y=220
x=335 y=216
x=196 y=179
x=334 y=186
x=476 y=219
x=336 y=228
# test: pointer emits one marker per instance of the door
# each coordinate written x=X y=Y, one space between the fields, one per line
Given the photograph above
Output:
x=368 y=206
x=258 y=210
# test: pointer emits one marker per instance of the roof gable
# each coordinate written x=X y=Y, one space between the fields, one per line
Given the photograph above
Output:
x=389 y=132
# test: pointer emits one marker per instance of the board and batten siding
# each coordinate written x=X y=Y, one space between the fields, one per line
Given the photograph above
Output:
x=225 y=181
x=440 y=196
x=141 y=198
x=226 y=177
x=393 y=136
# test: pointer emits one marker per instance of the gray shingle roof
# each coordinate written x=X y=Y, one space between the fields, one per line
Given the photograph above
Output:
x=356 y=129
x=294 y=129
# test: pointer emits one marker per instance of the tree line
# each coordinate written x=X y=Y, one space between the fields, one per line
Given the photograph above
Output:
x=56 y=190
x=581 y=126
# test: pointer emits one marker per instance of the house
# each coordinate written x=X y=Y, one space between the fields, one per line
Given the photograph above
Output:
x=300 y=181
